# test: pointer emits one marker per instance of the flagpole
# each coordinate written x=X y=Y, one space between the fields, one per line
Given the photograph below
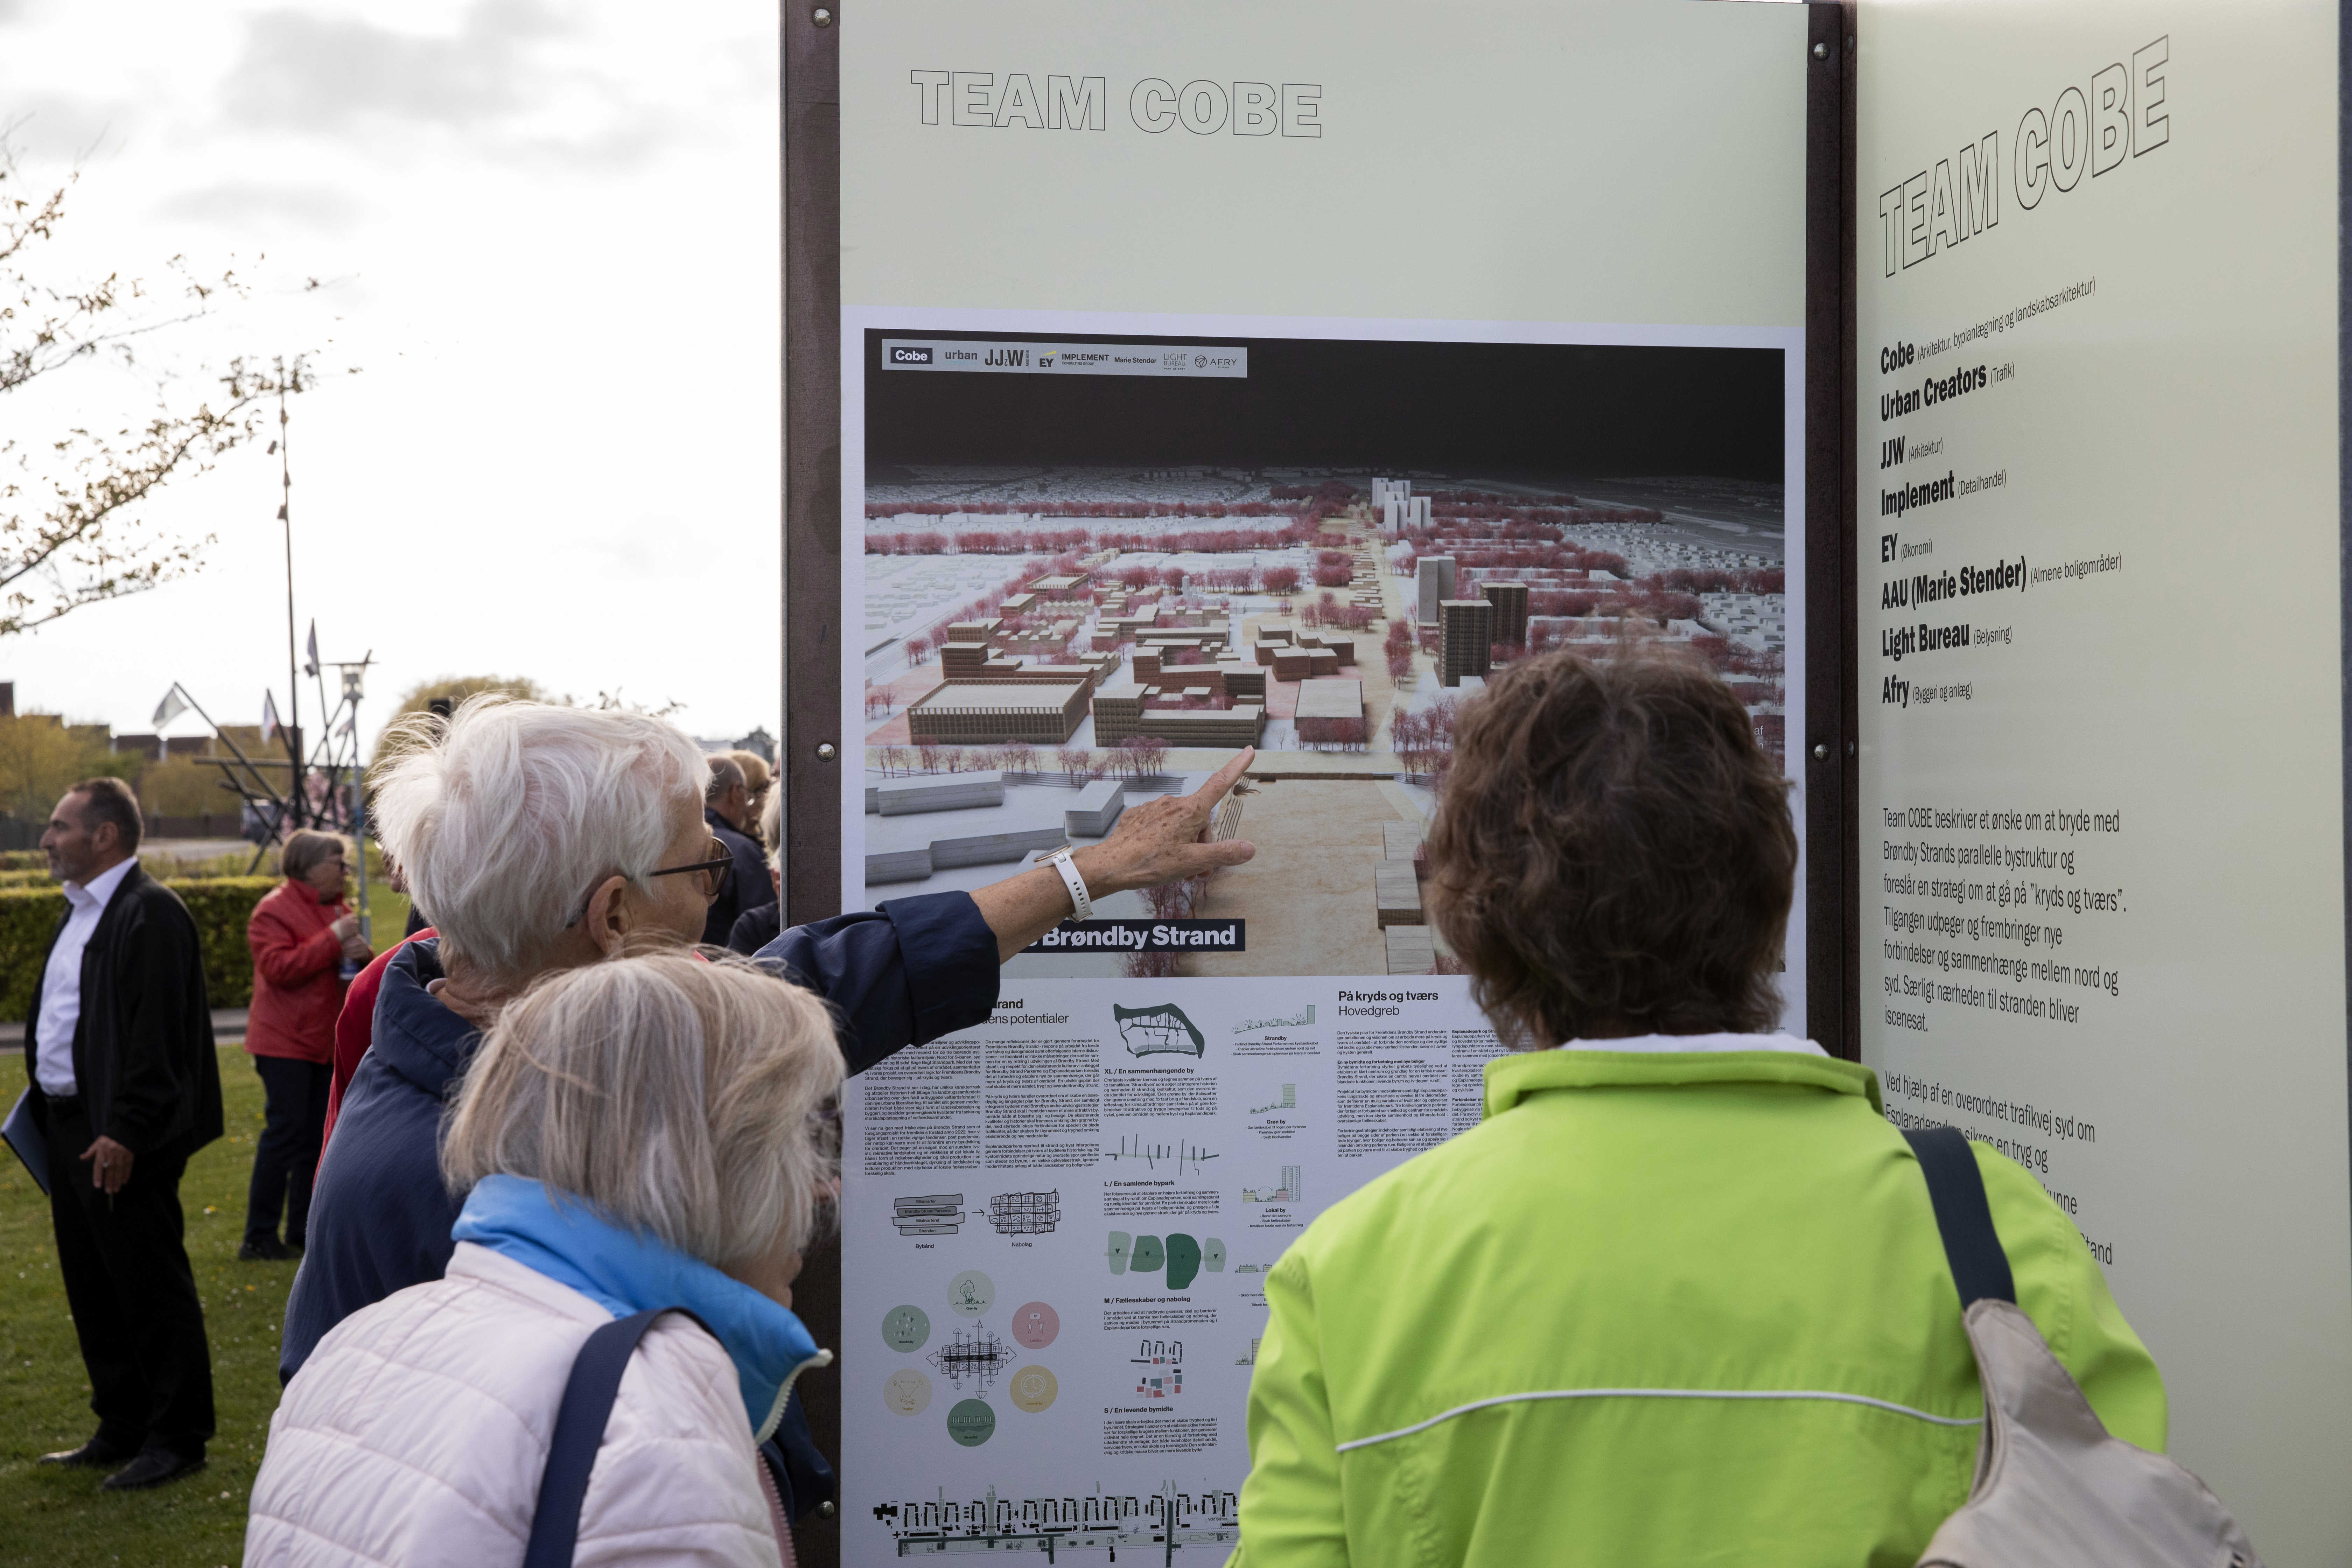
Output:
x=294 y=794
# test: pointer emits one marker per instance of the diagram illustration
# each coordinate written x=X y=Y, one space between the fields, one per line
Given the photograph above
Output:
x=1025 y=1213
x=1180 y=1155
x=932 y=1213
x=1250 y=1359
x=1158 y=1031
x=972 y=1357
x=905 y=1328
x=1157 y=1525
x=1162 y=1369
x=1303 y=1018
x=1033 y=1388
x=1287 y=1101
x=971 y=1293
x=1182 y=1255
x=1287 y=1193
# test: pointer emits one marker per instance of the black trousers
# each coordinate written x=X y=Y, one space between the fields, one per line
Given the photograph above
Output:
x=132 y=1295
x=294 y=1123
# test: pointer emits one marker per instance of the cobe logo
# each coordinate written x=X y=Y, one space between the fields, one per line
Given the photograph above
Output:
x=903 y=355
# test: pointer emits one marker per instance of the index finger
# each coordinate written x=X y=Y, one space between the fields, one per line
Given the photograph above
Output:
x=1223 y=778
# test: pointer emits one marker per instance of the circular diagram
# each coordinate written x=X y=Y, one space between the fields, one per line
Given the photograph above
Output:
x=971 y=1422
x=1033 y=1388
x=907 y=1391
x=905 y=1328
x=972 y=1293
x=1035 y=1324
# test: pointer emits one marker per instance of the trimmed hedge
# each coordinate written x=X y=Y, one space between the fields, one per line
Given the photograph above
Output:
x=221 y=905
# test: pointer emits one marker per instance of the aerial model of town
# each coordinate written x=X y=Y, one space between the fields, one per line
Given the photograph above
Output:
x=1046 y=644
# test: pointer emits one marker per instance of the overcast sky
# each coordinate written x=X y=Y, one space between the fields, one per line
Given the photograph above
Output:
x=546 y=235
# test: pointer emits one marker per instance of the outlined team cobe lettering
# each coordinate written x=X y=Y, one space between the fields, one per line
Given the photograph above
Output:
x=988 y=100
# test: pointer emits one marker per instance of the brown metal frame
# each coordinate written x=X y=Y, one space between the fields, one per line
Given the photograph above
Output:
x=1832 y=957
x=810 y=67
x=812 y=591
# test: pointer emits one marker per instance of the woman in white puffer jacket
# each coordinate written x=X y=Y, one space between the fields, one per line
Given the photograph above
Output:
x=645 y=1133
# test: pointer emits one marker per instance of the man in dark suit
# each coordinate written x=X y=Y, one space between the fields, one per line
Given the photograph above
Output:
x=727 y=811
x=126 y=1088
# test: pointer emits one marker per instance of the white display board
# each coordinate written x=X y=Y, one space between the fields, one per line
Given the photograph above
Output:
x=1181 y=347
x=2101 y=751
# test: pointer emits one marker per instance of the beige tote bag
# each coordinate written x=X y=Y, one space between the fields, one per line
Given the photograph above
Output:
x=2053 y=1489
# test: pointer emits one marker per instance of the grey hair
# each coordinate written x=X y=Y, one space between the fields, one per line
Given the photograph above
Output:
x=504 y=815
x=685 y=1099
x=724 y=775
x=772 y=818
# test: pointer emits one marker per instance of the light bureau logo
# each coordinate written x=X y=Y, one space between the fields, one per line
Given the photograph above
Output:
x=2122 y=117
x=988 y=100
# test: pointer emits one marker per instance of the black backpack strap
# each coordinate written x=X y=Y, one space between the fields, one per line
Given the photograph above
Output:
x=578 y=1433
x=1955 y=1185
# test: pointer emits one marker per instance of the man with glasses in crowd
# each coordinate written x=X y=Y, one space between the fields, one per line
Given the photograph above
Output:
x=544 y=838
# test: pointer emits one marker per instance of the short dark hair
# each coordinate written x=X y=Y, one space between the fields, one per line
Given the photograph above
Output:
x=308 y=848
x=109 y=799
x=1614 y=854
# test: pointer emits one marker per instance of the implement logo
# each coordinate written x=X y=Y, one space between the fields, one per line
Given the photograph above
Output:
x=1894 y=503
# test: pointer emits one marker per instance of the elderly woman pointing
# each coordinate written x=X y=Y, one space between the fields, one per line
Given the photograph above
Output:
x=545 y=838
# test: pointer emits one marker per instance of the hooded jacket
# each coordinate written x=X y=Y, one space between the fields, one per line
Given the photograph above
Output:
x=1662 y=1305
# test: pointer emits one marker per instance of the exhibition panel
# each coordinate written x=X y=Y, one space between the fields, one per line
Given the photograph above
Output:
x=2100 y=647
x=1166 y=428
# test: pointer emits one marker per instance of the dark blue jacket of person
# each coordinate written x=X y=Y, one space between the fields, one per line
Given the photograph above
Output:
x=379 y=1215
x=747 y=886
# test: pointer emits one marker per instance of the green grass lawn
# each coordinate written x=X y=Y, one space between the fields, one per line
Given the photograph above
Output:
x=58 y=1517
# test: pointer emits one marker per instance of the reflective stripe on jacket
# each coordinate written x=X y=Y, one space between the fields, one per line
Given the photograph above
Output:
x=1687 y=1308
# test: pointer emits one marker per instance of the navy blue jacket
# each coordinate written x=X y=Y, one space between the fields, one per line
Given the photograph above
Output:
x=904 y=975
x=747 y=886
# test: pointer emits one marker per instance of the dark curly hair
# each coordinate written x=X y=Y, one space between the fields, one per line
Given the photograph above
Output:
x=1614 y=853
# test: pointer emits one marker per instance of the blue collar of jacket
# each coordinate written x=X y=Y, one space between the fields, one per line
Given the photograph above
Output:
x=419 y=1038
x=624 y=1272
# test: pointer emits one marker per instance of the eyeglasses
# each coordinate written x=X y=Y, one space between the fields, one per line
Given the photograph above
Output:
x=712 y=872
x=710 y=876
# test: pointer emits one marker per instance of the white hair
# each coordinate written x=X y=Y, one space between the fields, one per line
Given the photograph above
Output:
x=504 y=818
x=679 y=1098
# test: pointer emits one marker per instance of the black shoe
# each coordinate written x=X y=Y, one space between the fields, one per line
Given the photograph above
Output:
x=152 y=1468
x=263 y=1250
x=100 y=1452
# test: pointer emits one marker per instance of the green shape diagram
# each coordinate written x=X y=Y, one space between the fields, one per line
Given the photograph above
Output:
x=971 y=1422
x=1212 y=1256
x=1149 y=1254
x=1119 y=1243
x=905 y=1328
x=1183 y=1260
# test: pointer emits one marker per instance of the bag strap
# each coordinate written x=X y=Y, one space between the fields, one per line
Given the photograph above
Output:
x=1956 y=1188
x=578 y=1432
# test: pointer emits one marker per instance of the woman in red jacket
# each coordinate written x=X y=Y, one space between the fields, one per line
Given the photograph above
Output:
x=301 y=934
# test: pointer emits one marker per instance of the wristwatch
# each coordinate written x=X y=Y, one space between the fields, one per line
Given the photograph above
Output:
x=1083 y=906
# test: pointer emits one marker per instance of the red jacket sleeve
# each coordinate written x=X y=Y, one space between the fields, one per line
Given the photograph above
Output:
x=285 y=956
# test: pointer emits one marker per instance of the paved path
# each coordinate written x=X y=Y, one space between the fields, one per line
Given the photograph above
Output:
x=229 y=1029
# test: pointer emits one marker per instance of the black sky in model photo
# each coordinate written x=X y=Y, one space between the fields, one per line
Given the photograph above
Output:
x=1509 y=408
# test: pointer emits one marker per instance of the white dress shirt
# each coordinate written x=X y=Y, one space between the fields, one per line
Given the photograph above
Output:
x=53 y=1032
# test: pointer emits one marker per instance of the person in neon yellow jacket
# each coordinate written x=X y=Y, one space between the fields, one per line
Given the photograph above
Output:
x=1680 y=1298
